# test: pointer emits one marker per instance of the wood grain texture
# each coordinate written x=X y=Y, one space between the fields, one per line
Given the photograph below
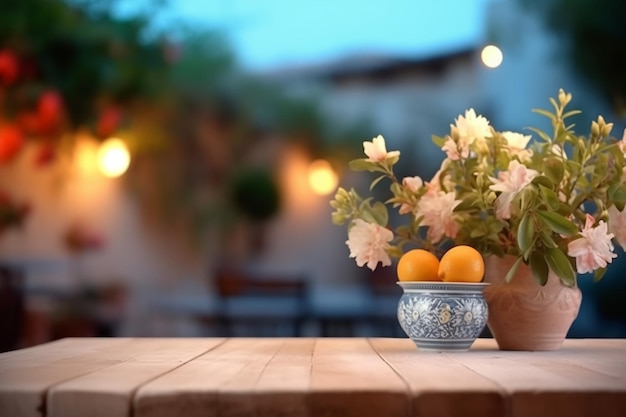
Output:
x=550 y=384
x=282 y=388
x=441 y=387
x=348 y=378
x=108 y=391
x=309 y=377
x=26 y=375
x=220 y=383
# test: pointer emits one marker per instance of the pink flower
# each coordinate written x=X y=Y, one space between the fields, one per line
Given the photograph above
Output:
x=622 y=143
x=594 y=249
x=376 y=150
x=437 y=210
x=617 y=222
x=454 y=151
x=509 y=183
x=434 y=185
x=413 y=184
x=368 y=243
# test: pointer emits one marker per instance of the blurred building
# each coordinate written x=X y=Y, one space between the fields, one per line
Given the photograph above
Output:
x=407 y=99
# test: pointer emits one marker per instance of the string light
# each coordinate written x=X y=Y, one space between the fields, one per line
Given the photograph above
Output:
x=491 y=56
x=322 y=178
x=113 y=157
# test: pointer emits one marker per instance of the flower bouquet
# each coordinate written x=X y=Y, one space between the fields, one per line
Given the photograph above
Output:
x=552 y=201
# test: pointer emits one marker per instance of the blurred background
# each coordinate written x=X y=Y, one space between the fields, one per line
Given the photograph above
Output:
x=166 y=166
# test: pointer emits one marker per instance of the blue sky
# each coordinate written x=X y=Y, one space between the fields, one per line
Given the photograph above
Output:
x=271 y=33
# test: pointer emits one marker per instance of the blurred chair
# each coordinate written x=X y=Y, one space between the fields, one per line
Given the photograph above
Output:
x=257 y=306
x=11 y=307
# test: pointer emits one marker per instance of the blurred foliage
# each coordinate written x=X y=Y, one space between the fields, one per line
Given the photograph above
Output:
x=194 y=121
x=89 y=57
x=594 y=36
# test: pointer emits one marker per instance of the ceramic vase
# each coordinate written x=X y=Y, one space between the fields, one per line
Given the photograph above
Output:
x=523 y=315
x=442 y=316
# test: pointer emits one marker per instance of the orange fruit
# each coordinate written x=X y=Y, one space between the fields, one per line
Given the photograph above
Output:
x=418 y=265
x=461 y=264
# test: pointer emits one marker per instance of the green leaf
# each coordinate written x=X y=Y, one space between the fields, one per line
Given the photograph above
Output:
x=598 y=274
x=509 y=275
x=438 y=140
x=525 y=233
x=539 y=267
x=544 y=113
x=363 y=164
x=559 y=263
x=543 y=180
x=394 y=252
x=546 y=239
x=571 y=113
x=381 y=216
x=554 y=170
x=376 y=181
x=617 y=194
x=396 y=188
x=543 y=135
x=477 y=232
x=526 y=198
x=550 y=197
x=391 y=161
x=558 y=223
x=338 y=218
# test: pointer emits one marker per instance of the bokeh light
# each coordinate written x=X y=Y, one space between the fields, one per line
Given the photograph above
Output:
x=491 y=56
x=322 y=178
x=113 y=157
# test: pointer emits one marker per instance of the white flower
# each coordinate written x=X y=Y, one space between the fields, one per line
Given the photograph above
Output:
x=368 y=243
x=594 y=249
x=558 y=151
x=509 y=183
x=516 y=140
x=471 y=128
x=376 y=150
x=517 y=143
x=617 y=222
x=437 y=210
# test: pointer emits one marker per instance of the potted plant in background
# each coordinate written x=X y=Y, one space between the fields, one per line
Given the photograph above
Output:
x=539 y=210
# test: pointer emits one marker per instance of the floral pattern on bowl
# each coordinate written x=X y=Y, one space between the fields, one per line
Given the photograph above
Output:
x=442 y=316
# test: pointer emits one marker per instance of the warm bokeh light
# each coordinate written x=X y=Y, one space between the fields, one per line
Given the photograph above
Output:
x=322 y=178
x=113 y=157
x=491 y=56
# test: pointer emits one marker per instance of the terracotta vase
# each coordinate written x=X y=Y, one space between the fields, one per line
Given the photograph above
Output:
x=523 y=315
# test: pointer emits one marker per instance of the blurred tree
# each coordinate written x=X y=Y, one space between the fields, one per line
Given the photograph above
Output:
x=192 y=119
x=66 y=64
x=594 y=36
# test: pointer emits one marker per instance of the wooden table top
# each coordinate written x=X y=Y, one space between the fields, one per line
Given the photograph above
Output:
x=309 y=377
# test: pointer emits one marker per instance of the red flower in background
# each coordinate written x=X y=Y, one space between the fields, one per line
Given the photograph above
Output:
x=50 y=112
x=9 y=67
x=80 y=239
x=46 y=154
x=109 y=121
x=11 y=141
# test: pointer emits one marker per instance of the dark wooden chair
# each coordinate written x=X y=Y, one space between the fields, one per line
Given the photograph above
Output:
x=256 y=306
x=11 y=307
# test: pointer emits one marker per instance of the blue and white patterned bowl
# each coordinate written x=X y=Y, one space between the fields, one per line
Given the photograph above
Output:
x=442 y=315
